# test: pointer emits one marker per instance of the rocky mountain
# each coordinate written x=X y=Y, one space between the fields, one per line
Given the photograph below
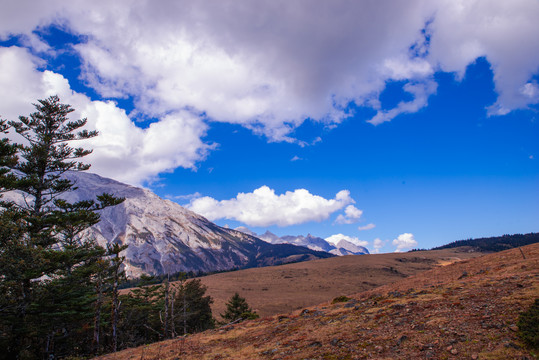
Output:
x=340 y=248
x=345 y=247
x=162 y=236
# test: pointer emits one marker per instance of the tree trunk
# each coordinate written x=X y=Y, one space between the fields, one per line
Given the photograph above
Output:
x=97 y=315
x=184 y=311
x=165 y=322
x=172 y=320
x=115 y=308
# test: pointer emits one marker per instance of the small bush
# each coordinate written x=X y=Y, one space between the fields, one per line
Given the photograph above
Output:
x=340 y=299
x=528 y=325
x=248 y=315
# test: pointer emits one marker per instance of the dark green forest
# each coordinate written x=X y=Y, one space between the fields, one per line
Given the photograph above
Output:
x=494 y=244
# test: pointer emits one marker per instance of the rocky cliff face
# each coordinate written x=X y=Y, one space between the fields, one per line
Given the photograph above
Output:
x=162 y=236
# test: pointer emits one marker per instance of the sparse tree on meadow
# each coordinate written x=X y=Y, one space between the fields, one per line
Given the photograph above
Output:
x=193 y=307
x=237 y=309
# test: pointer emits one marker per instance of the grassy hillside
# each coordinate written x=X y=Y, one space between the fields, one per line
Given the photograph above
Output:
x=465 y=310
x=281 y=289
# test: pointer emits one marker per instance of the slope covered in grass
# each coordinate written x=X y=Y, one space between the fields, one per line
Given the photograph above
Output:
x=465 y=310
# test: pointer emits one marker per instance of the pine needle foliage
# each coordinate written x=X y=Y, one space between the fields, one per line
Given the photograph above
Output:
x=237 y=309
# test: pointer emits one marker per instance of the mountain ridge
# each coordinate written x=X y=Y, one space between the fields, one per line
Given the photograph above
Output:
x=340 y=248
x=164 y=237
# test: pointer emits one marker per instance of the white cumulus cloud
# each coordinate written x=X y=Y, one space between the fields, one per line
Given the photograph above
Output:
x=263 y=207
x=122 y=150
x=334 y=239
x=351 y=215
x=404 y=241
x=267 y=66
x=497 y=30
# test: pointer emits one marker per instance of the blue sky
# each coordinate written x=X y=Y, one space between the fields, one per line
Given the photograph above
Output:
x=401 y=126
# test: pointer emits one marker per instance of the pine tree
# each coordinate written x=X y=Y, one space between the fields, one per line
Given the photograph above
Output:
x=11 y=233
x=48 y=267
x=14 y=258
x=139 y=321
x=193 y=307
x=237 y=309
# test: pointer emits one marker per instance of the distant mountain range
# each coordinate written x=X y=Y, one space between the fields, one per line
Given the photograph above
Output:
x=339 y=248
x=163 y=237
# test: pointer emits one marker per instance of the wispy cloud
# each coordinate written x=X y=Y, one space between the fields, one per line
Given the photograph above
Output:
x=366 y=227
x=378 y=244
x=188 y=197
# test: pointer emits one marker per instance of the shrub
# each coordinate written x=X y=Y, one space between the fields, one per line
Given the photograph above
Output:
x=528 y=325
x=237 y=309
x=340 y=299
x=249 y=315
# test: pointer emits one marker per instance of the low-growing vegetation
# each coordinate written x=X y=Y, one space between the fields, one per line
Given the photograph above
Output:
x=339 y=299
x=528 y=326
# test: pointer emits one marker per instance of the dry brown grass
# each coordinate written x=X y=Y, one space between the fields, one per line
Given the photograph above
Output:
x=283 y=289
x=462 y=311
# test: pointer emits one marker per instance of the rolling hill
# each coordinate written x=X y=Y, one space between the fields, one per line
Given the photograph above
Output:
x=281 y=289
x=464 y=310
